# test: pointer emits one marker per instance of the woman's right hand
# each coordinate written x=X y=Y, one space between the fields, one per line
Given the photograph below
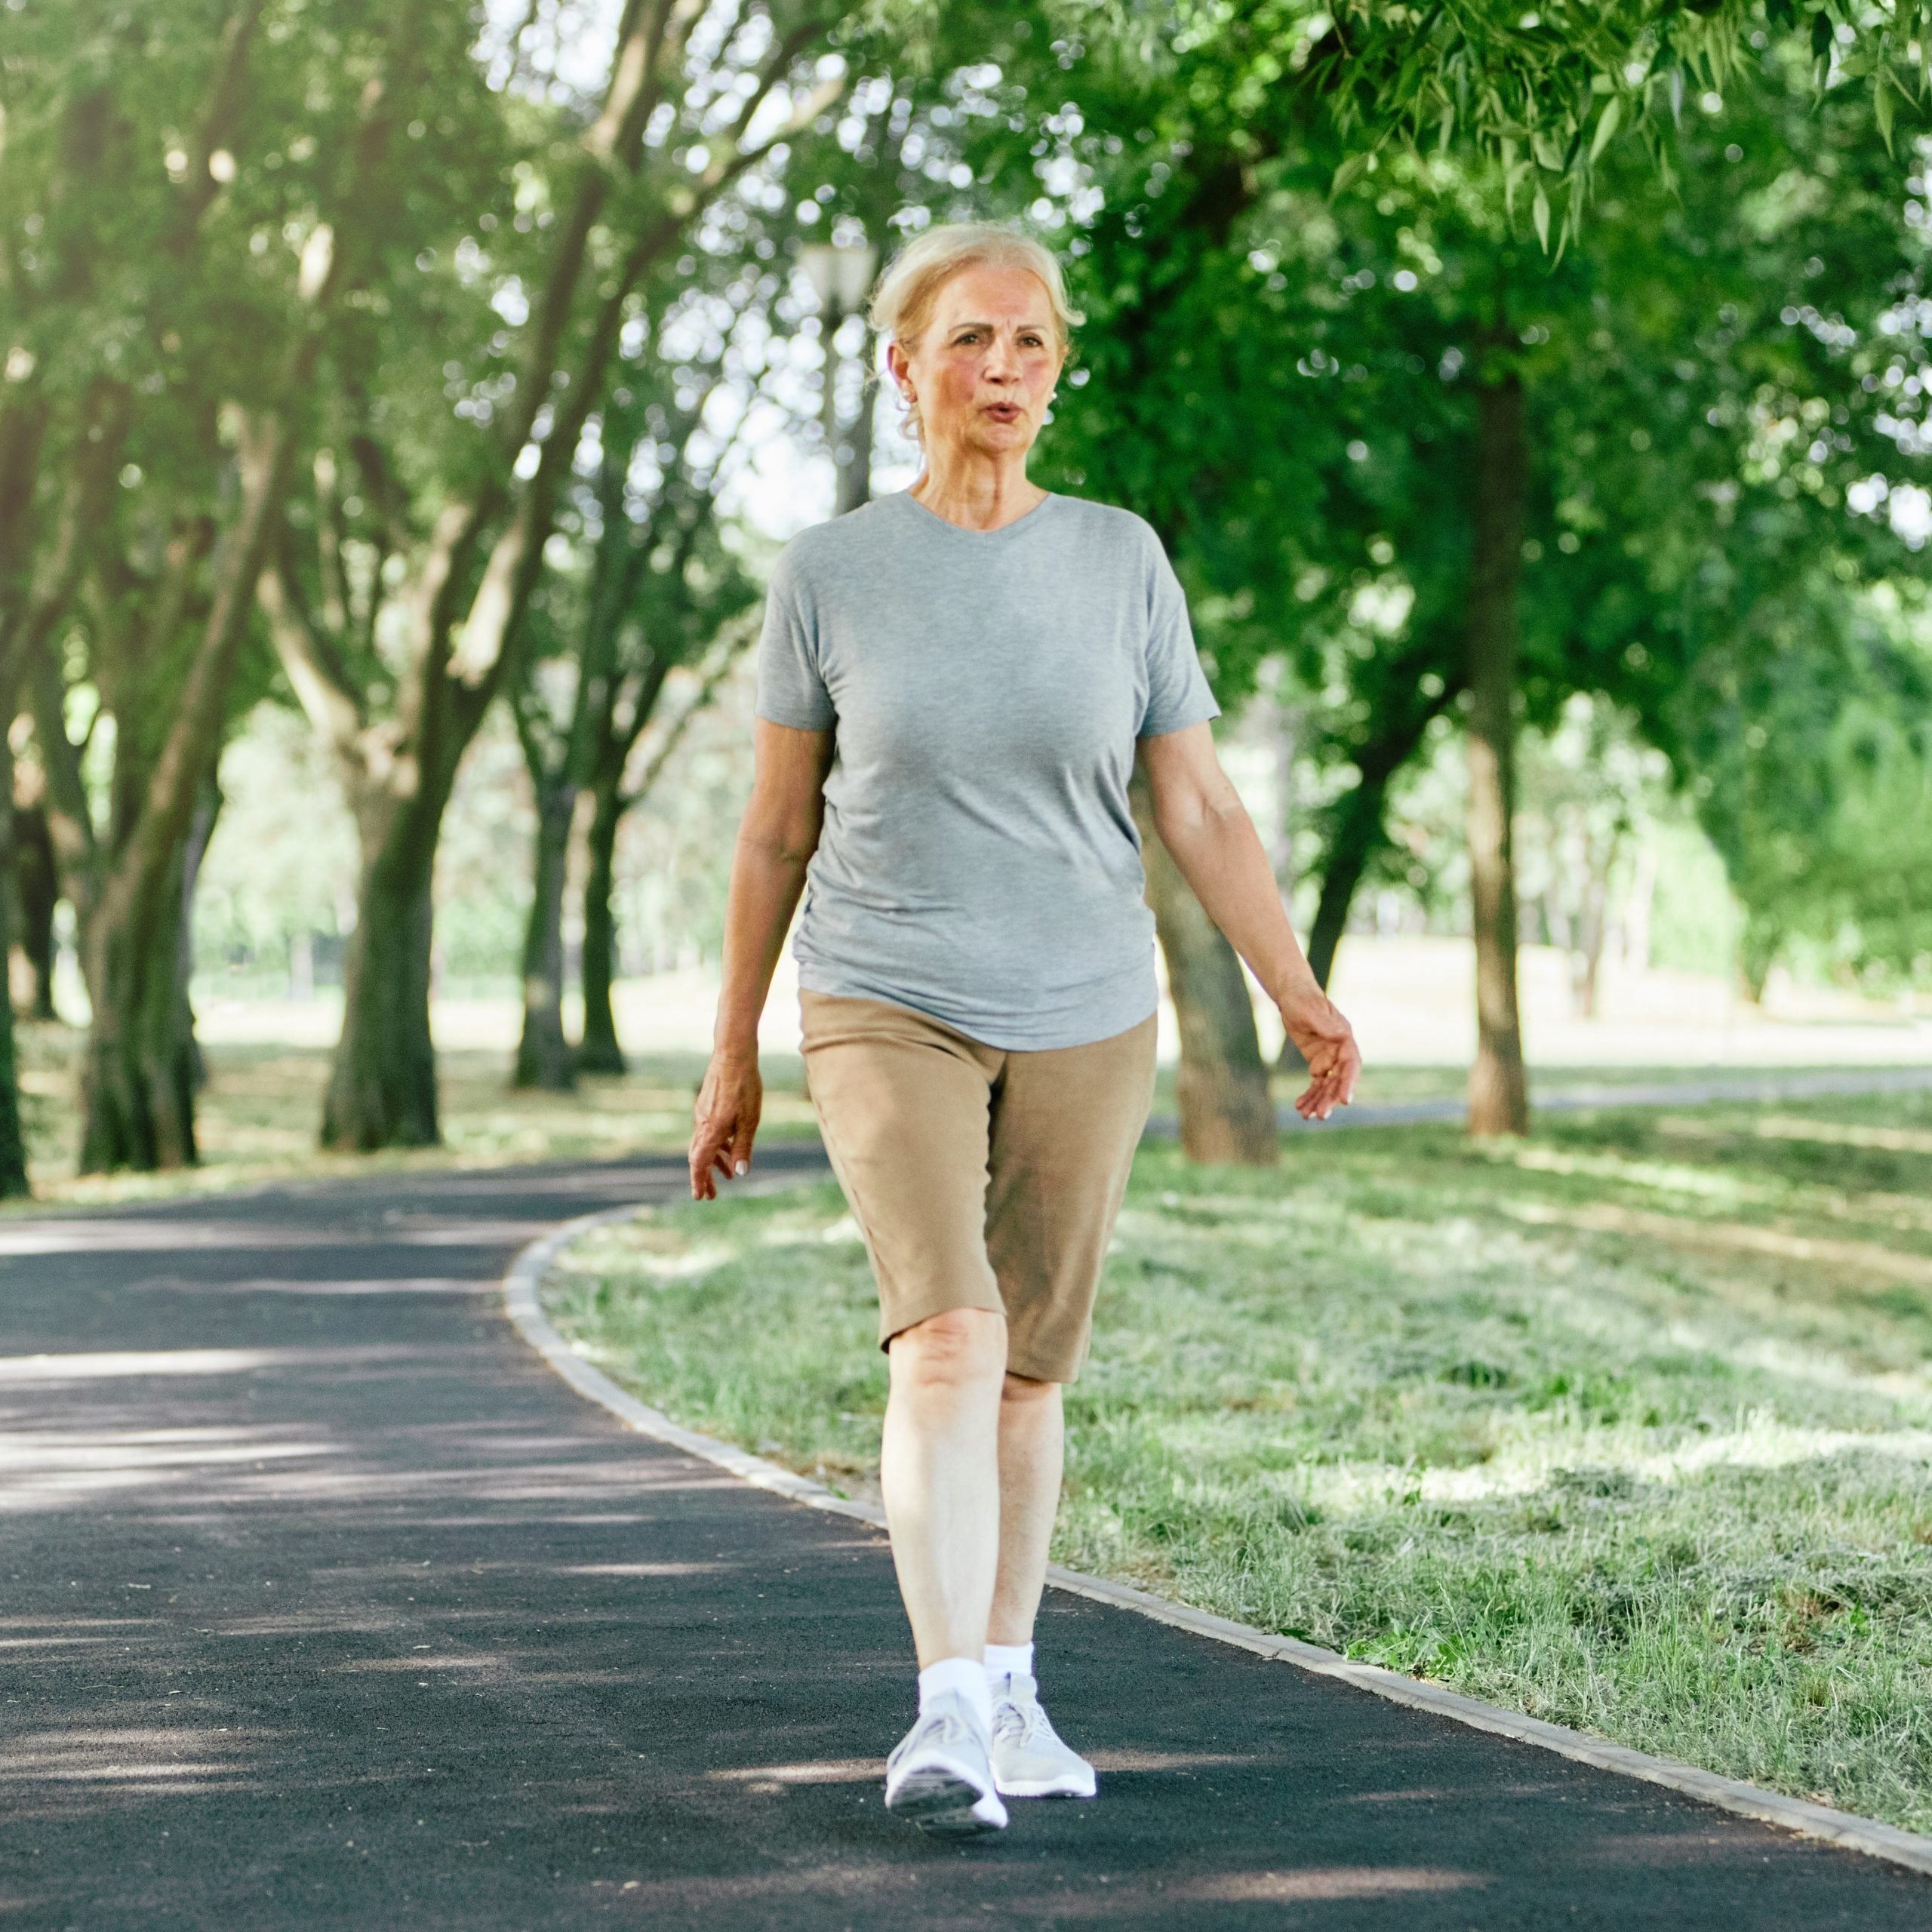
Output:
x=729 y=1104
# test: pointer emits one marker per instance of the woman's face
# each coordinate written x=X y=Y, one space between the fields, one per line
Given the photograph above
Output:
x=983 y=369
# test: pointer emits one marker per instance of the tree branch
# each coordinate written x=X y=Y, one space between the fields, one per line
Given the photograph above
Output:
x=315 y=672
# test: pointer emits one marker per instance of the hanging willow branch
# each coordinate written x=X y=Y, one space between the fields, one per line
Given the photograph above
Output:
x=1540 y=88
x=1543 y=88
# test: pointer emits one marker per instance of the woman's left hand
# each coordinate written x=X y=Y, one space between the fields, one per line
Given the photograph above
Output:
x=1327 y=1042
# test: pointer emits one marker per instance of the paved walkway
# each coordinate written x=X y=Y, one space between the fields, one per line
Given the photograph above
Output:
x=326 y=1606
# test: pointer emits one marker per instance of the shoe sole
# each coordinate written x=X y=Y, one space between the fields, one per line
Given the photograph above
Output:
x=1046 y=1788
x=940 y=1801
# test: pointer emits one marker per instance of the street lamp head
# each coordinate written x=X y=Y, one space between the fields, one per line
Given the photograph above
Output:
x=840 y=273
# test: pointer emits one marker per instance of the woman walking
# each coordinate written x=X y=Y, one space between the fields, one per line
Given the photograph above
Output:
x=953 y=684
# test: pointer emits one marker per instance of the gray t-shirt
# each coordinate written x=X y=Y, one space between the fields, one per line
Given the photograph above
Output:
x=979 y=862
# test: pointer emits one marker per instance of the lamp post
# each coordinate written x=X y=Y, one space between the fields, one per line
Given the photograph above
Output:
x=840 y=273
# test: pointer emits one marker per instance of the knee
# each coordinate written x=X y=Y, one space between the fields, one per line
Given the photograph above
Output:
x=1026 y=1392
x=962 y=1349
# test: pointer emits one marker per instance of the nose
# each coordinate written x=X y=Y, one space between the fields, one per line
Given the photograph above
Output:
x=1001 y=365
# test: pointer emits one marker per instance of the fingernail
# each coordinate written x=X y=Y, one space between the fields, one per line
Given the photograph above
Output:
x=743 y=1167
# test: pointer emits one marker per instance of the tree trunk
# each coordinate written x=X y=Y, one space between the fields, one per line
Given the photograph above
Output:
x=38 y=892
x=199 y=833
x=13 y=1140
x=600 y=1051
x=1759 y=945
x=1358 y=831
x=1499 y=1099
x=542 y=1056
x=143 y=1065
x=381 y=1089
x=1227 y=1113
x=852 y=448
x=137 y=1080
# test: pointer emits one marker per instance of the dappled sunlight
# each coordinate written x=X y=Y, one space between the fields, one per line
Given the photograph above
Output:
x=117 y=1236
x=146 y=1761
x=1762 y=1443
x=1606 y=1217
x=1699 y=1183
x=112 y=1363
x=482 y=1285
x=836 y=1770
x=407 y=1666
x=642 y=1570
x=1332 y=1882
x=1787 y=1127
x=46 y=1470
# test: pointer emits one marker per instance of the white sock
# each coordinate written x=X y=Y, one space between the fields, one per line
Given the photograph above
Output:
x=1008 y=1661
x=967 y=1676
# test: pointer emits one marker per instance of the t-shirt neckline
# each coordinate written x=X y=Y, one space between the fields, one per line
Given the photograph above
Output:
x=932 y=516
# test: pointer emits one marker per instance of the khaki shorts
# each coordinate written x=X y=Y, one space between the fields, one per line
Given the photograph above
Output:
x=980 y=1178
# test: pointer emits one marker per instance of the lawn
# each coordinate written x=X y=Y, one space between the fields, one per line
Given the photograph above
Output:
x=258 y=1115
x=1629 y=1425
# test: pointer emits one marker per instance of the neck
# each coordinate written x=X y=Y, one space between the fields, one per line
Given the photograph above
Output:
x=976 y=491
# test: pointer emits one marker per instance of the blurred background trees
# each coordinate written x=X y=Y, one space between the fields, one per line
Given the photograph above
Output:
x=401 y=405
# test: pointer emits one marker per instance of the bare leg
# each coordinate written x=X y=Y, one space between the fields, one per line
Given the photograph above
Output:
x=1032 y=1445
x=939 y=1469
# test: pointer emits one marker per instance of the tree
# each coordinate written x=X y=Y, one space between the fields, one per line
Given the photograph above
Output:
x=623 y=192
x=223 y=362
x=1227 y=289
x=659 y=587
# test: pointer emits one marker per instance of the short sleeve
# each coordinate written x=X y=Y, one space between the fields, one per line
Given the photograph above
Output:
x=1177 y=689
x=791 y=687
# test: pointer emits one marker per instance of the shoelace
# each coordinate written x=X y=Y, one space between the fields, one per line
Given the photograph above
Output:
x=1024 y=1721
x=942 y=1726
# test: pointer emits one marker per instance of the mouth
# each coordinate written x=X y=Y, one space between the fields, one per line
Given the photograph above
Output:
x=1002 y=412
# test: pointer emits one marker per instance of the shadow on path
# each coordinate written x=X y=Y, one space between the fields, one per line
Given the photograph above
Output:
x=326 y=1604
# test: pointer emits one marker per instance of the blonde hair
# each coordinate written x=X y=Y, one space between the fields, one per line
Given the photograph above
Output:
x=903 y=303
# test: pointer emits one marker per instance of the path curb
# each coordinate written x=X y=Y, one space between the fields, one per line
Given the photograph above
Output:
x=522 y=1303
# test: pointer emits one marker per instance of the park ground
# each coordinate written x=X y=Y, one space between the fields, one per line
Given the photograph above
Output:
x=1411 y=999
x=1627 y=1426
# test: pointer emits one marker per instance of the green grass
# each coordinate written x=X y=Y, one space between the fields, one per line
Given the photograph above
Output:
x=258 y=1116
x=1629 y=1427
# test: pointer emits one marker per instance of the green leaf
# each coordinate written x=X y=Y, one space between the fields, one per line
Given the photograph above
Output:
x=1350 y=171
x=1881 y=110
x=1540 y=215
x=1606 y=125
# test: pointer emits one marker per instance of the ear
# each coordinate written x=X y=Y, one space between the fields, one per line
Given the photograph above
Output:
x=896 y=361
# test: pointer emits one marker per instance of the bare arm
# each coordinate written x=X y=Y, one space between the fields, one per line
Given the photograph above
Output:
x=776 y=838
x=1204 y=824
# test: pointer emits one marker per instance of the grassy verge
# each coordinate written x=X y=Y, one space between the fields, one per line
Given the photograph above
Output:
x=257 y=1119
x=1629 y=1427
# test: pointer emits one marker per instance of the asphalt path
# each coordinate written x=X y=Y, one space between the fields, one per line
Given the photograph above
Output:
x=327 y=1605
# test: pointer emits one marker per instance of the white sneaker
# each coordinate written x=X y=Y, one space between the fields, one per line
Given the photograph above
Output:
x=1030 y=1758
x=939 y=1776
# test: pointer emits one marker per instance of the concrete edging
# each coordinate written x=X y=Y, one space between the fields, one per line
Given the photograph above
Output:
x=522 y=1303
